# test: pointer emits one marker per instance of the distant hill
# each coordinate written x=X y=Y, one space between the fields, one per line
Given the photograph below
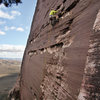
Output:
x=18 y=59
x=9 y=70
x=9 y=66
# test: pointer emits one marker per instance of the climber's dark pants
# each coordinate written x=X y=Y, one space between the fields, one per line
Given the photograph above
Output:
x=53 y=20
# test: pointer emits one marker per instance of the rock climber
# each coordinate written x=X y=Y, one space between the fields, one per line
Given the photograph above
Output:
x=53 y=15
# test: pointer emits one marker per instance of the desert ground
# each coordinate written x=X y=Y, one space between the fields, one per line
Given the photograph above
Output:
x=9 y=70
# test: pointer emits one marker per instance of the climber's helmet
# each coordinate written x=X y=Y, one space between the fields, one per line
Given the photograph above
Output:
x=52 y=8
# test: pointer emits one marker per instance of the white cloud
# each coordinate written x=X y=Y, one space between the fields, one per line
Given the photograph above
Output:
x=2 y=6
x=2 y=33
x=20 y=29
x=11 y=15
x=10 y=28
x=14 y=28
x=5 y=15
x=2 y=22
x=15 y=13
x=11 y=51
x=6 y=28
x=12 y=48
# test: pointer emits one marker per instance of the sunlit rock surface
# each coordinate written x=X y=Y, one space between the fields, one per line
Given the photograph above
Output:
x=62 y=63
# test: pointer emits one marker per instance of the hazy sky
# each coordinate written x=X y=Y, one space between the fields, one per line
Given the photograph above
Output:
x=15 y=23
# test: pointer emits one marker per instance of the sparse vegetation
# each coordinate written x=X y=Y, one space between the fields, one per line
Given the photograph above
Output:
x=8 y=3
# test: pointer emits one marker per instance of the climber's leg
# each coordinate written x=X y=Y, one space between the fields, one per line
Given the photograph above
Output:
x=53 y=21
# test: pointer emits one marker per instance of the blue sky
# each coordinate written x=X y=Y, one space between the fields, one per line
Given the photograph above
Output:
x=15 y=23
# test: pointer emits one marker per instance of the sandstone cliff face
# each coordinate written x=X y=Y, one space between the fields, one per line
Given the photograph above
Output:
x=62 y=63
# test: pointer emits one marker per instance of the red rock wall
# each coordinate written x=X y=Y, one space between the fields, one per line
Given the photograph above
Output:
x=90 y=88
x=55 y=58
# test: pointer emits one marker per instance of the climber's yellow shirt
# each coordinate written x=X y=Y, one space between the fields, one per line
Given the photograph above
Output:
x=53 y=12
